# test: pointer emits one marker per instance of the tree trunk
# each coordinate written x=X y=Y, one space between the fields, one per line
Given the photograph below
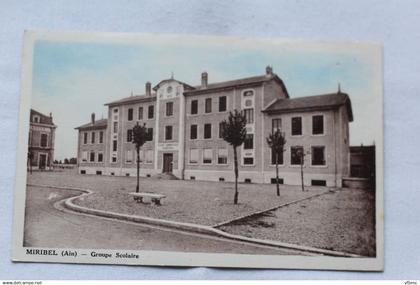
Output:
x=277 y=174
x=235 y=159
x=301 y=173
x=138 y=170
x=30 y=163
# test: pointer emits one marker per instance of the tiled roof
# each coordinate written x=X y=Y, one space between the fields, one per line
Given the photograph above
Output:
x=238 y=82
x=311 y=102
x=133 y=99
x=99 y=124
x=43 y=119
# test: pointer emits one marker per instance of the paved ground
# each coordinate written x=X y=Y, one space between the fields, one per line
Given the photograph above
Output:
x=341 y=221
x=45 y=226
x=199 y=202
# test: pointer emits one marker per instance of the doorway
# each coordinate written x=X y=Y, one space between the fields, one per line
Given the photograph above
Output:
x=42 y=161
x=167 y=162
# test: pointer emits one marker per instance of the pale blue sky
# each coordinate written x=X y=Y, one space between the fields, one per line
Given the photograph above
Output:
x=74 y=79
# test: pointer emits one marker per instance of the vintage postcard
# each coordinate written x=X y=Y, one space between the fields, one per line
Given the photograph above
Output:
x=200 y=151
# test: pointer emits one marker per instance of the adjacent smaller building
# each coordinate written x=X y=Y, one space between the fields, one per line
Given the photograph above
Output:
x=41 y=141
x=91 y=145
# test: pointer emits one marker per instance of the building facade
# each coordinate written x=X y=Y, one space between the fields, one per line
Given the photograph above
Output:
x=184 y=132
x=41 y=141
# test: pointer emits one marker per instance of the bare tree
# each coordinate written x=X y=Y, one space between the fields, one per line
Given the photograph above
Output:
x=30 y=157
x=234 y=132
x=301 y=154
x=276 y=142
x=139 y=138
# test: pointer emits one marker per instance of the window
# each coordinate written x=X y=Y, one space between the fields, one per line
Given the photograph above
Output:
x=221 y=129
x=150 y=112
x=129 y=156
x=84 y=156
x=296 y=126
x=115 y=110
x=315 y=182
x=129 y=135
x=248 y=160
x=92 y=157
x=279 y=158
x=141 y=154
x=248 y=103
x=208 y=105
x=249 y=141
x=249 y=115
x=318 y=155
x=276 y=125
x=92 y=138
x=149 y=134
x=194 y=156
x=130 y=114
x=222 y=156
x=193 y=132
x=114 y=159
x=318 y=125
x=248 y=93
x=296 y=155
x=207 y=131
x=114 y=145
x=100 y=157
x=115 y=127
x=35 y=119
x=169 y=109
x=101 y=137
x=207 y=156
x=222 y=103
x=274 y=180
x=85 y=135
x=168 y=133
x=149 y=156
x=140 y=116
x=44 y=138
x=194 y=107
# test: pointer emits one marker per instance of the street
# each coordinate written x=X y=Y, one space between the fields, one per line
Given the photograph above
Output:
x=47 y=226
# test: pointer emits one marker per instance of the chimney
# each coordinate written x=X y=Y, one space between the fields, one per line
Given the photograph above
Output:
x=148 y=89
x=204 y=79
x=269 y=70
x=92 y=117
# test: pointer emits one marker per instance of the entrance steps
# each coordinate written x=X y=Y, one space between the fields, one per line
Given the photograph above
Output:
x=165 y=176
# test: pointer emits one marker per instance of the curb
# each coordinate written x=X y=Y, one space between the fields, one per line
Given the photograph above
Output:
x=68 y=203
x=269 y=209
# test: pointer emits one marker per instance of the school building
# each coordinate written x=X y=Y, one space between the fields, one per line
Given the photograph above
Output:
x=184 y=132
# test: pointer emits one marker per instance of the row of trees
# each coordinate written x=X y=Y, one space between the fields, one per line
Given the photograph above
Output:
x=234 y=133
x=71 y=160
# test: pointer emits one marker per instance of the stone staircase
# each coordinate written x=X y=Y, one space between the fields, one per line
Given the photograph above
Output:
x=165 y=176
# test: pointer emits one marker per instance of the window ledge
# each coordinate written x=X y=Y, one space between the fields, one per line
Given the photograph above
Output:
x=319 y=166
x=280 y=165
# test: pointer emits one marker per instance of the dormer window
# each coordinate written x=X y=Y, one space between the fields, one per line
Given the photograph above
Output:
x=35 y=119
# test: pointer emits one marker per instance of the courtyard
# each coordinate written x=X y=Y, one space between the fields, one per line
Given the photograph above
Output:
x=334 y=219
